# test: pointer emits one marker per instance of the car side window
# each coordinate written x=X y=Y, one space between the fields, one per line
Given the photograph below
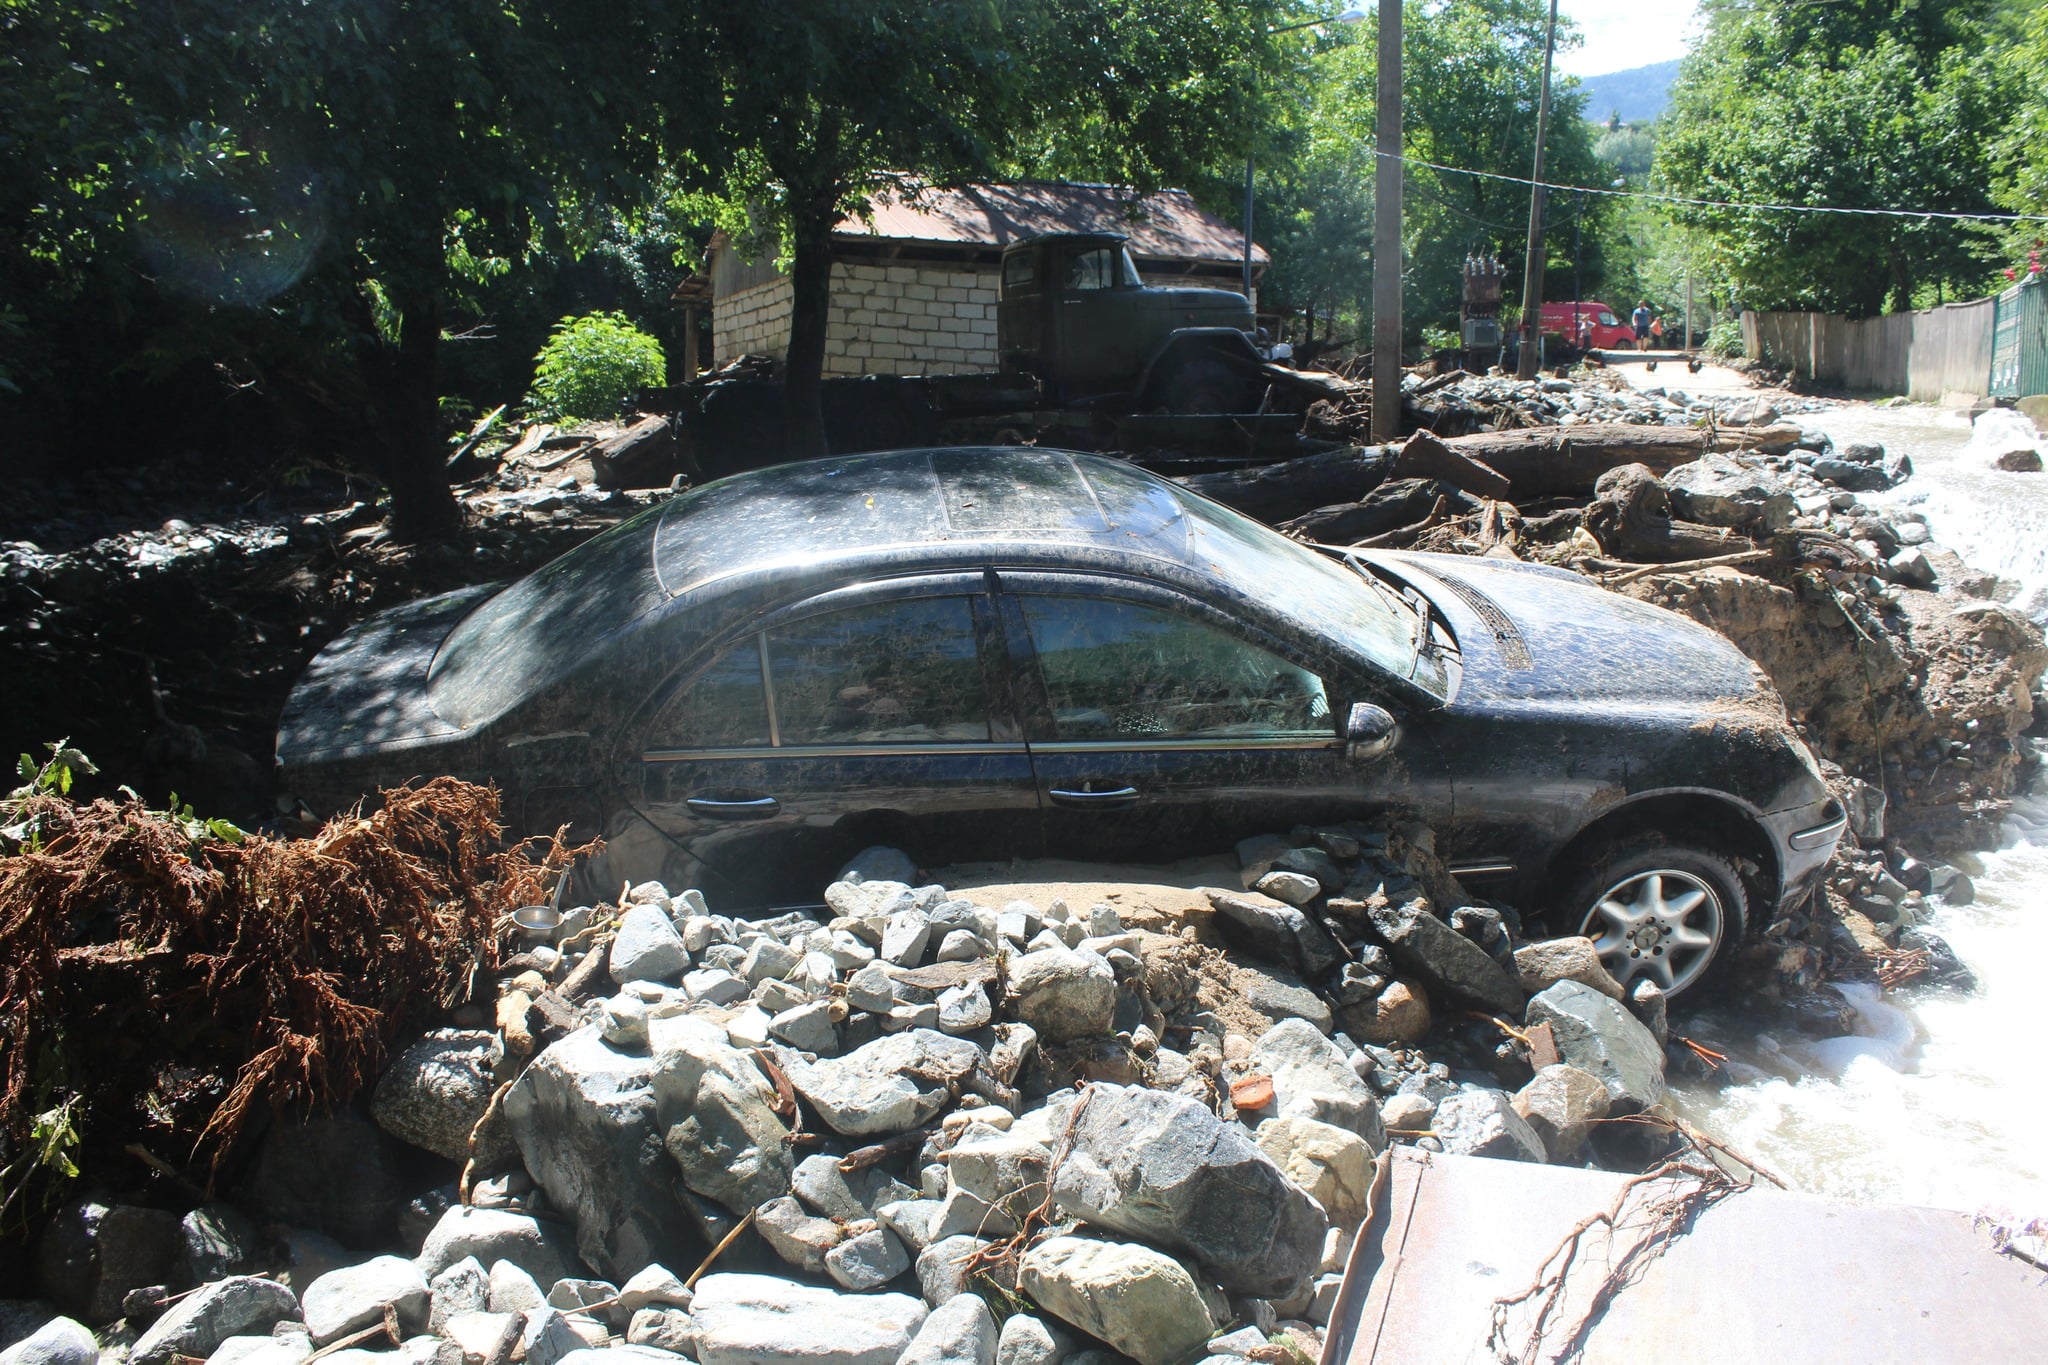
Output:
x=902 y=672
x=722 y=708
x=1118 y=670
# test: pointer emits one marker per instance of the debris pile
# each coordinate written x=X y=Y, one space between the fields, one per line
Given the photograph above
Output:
x=911 y=1126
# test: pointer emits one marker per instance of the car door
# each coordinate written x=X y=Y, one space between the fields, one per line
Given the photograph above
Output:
x=1160 y=728
x=1098 y=336
x=876 y=714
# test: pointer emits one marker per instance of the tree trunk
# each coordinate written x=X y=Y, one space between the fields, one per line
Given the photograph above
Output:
x=1541 y=461
x=803 y=374
x=423 y=506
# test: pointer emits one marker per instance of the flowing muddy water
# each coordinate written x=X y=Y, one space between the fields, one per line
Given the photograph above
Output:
x=1939 y=1097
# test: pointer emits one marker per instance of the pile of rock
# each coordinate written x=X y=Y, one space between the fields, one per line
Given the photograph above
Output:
x=910 y=1115
x=1501 y=402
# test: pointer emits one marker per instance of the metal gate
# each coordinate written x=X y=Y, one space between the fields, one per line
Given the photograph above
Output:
x=2019 y=341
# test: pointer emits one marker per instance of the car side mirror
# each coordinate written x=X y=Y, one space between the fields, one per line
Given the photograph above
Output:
x=1369 y=732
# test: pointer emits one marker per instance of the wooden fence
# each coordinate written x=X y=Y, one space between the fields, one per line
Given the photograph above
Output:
x=1924 y=355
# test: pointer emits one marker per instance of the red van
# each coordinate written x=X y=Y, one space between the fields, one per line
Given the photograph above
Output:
x=1607 y=328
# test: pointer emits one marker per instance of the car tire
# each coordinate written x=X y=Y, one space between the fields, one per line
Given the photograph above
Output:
x=1646 y=902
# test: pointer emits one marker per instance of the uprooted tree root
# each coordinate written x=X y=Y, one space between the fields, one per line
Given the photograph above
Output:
x=161 y=989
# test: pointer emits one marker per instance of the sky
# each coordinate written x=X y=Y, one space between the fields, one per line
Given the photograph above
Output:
x=1620 y=34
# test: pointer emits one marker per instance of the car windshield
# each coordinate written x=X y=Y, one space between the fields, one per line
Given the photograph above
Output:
x=1321 y=594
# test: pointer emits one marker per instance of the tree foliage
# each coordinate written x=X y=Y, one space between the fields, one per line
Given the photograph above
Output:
x=1861 y=104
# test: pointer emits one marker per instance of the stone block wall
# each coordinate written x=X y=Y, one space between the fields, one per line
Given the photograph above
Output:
x=913 y=318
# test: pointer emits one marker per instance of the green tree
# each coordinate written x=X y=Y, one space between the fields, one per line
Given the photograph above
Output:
x=1867 y=104
x=2022 y=153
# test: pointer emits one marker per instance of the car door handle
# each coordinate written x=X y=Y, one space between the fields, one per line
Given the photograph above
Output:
x=755 y=808
x=1121 y=796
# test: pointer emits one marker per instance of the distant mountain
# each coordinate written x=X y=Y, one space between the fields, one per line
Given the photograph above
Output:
x=1638 y=94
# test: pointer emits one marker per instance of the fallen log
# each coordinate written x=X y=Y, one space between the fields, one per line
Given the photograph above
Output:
x=1539 y=461
x=1387 y=508
x=1340 y=478
x=641 y=456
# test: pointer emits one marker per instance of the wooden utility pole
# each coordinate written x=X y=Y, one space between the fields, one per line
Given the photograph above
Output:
x=1386 y=233
x=1532 y=268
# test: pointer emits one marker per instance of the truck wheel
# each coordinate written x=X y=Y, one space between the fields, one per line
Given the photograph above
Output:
x=1203 y=383
x=1657 y=909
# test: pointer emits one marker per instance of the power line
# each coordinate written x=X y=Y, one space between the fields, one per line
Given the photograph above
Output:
x=1726 y=203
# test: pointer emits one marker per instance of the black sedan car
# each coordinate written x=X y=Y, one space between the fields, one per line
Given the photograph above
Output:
x=990 y=653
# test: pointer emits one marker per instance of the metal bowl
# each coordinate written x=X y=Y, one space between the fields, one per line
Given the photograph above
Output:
x=536 y=921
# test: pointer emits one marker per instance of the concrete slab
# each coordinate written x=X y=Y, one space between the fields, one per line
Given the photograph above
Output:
x=1760 y=1277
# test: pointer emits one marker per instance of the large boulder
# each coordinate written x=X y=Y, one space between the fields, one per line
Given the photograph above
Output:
x=584 y=1116
x=436 y=1090
x=1542 y=965
x=93 y=1253
x=341 y=1301
x=1064 y=994
x=219 y=1240
x=337 y=1173
x=867 y=1092
x=197 y=1324
x=1140 y=1301
x=1719 y=490
x=1561 y=1104
x=767 y=1320
x=1334 y=1165
x=1599 y=1035
x=60 y=1341
x=1311 y=1078
x=716 y=1114
x=1162 y=1167
x=960 y=1331
x=647 y=947
x=1445 y=960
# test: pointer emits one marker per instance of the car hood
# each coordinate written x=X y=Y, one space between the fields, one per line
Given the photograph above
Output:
x=368 y=689
x=1530 y=633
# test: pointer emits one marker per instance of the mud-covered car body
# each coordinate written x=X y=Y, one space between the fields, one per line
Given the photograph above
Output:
x=981 y=653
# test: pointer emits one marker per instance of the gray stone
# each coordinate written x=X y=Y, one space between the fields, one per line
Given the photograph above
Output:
x=914 y=1220
x=764 y=1320
x=647 y=947
x=1752 y=412
x=1140 y=1301
x=1561 y=1104
x=867 y=1261
x=1028 y=1340
x=469 y=1337
x=1063 y=994
x=197 y=1324
x=548 y=1337
x=654 y=1286
x=512 y=1290
x=1718 y=490
x=797 y=1237
x=92 y=1254
x=866 y=1092
x=1599 y=1035
x=871 y=988
x=1447 y=962
x=844 y=1195
x=1543 y=965
x=462 y=1288
x=1273 y=930
x=219 y=1240
x=1484 y=1123
x=807 y=1028
x=998 y=1166
x=262 y=1350
x=942 y=1267
x=879 y=863
x=584 y=1117
x=959 y=1332
x=622 y=1022
x=1296 y=888
x=1279 y=994
x=339 y=1174
x=964 y=1008
x=573 y=1295
x=1311 y=1078
x=1257 y=855
x=716 y=1114
x=905 y=937
x=435 y=1091
x=961 y=945
x=1911 y=567
x=493 y=1235
x=356 y=1296
x=714 y=986
x=60 y=1341
x=1647 y=1002
x=1164 y=1168
x=663 y=1329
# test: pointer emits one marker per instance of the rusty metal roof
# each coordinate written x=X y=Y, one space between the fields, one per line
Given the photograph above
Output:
x=1163 y=226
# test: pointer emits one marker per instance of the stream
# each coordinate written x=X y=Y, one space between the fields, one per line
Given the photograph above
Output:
x=1937 y=1099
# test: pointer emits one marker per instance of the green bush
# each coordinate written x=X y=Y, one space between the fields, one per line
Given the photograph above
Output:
x=591 y=363
x=1724 y=339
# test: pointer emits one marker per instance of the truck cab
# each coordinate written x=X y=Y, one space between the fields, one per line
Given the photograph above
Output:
x=1075 y=316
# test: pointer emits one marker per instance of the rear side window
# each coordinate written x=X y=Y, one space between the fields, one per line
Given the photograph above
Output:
x=1020 y=273
x=902 y=672
x=1119 y=671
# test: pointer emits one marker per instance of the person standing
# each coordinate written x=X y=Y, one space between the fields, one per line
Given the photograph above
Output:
x=1641 y=320
x=1656 y=332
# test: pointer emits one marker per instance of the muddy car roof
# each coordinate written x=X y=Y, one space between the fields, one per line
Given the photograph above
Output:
x=841 y=507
